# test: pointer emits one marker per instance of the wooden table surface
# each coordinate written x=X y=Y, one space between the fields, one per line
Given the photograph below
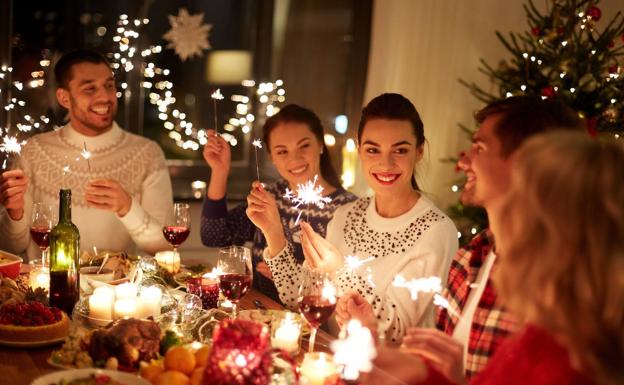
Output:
x=20 y=366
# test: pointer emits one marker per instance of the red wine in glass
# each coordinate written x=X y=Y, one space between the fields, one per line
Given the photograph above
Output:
x=234 y=286
x=316 y=309
x=176 y=235
x=41 y=236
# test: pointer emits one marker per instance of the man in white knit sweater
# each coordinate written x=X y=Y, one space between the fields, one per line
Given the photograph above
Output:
x=120 y=196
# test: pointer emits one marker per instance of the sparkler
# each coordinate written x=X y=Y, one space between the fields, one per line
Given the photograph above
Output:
x=10 y=146
x=355 y=351
x=307 y=193
x=353 y=262
x=257 y=144
x=438 y=300
x=329 y=291
x=87 y=155
x=216 y=96
x=417 y=285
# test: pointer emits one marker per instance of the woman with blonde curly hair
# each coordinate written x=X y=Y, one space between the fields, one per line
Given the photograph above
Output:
x=560 y=239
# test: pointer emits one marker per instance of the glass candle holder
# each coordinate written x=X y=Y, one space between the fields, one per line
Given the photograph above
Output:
x=39 y=276
x=286 y=333
x=316 y=368
x=240 y=355
x=205 y=288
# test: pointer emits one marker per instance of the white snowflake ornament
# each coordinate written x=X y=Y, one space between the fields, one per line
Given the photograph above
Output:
x=188 y=35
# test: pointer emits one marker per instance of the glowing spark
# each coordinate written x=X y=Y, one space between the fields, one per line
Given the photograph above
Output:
x=214 y=273
x=86 y=154
x=217 y=94
x=355 y=351
x=307 y=193
x=353 y=262
x=417 y=285
x=438 y=300
x=329 y=291
x=369 y=277
x=257 y=143
x=11 y=145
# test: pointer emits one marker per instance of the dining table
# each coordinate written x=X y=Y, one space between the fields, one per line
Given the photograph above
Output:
x=20 y=366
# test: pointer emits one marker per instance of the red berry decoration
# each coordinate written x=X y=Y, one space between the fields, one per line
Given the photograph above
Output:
x=594 y=12
x=549 y=92
x=535 y=31
x=29 y=314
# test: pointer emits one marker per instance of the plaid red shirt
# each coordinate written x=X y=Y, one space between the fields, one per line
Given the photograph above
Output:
x=491 y=323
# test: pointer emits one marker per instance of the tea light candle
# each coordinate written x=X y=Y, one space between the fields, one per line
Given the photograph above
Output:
x=286 y=334
x=101 y=306
x=39 y=278
x=125 y=290
x=126 y=307
x=168 y=260
x=317 y=367
x=150 y=301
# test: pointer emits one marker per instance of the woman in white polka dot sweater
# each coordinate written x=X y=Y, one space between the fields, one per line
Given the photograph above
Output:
x=399 y=230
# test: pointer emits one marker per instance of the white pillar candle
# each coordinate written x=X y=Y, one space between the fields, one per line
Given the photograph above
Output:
x=106 y=290
x=126 y=307
x=168 y=260
x=317 y=367
x=150 y=301
x=125 y=290
x=101 y=306
x=286 y=334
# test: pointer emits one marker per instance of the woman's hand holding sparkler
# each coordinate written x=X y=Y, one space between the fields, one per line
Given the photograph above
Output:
x=13 y=186
x=353 y=305
x=442 y=351
x=319 y=253
x=262 y=211
x=218 y=156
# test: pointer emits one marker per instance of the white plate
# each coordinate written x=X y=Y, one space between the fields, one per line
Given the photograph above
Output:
x=74 y=374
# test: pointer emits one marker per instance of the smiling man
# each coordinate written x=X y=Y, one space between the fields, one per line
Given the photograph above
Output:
x=121 y=190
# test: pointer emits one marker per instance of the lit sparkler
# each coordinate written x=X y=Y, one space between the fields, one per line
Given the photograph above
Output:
x=87 y=155
x=257 y=143
x=353 y=262
x=216 y=96
x=439 y=300
x=11 y=145
x=355 y=351
x=329 y=291
x=307 y=193
x=417 y=285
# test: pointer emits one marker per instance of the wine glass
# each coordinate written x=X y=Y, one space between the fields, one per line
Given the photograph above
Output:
x=43 y=219
x=177 y=225
x=235 y=273
x=317 y=301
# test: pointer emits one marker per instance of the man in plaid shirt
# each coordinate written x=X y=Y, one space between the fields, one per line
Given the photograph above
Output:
x=476 y=323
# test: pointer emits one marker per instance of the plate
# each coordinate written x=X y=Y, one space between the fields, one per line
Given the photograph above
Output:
x=32 y=344
x=74 y=374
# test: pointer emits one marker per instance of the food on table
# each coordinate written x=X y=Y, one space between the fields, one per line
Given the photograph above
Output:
x=171 y=377
x=181 y=359
x=169 y=340
x=93 y=379
x=10 y=265
x=120 y=263
x=201 y=356
x=32 y=322
x=74 y=353
x=11 y=292
x=129 y=340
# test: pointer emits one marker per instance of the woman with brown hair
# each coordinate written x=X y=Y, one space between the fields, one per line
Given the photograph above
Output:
x=561 y=246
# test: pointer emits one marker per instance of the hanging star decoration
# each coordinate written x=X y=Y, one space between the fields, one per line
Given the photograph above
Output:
x=188 y=35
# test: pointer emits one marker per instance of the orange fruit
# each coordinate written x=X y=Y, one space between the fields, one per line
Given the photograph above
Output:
x=181 y=359
x=150 y=372
x=198 y=376
x=201 y=356
x=171 y=377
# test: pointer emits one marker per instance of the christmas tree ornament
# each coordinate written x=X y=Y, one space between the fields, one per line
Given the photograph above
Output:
x=548 y=92
x=188 y=35
x=594 y=13
x=536 y=31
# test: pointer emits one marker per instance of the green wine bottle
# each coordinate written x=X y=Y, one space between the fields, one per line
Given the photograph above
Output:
x=64 y=254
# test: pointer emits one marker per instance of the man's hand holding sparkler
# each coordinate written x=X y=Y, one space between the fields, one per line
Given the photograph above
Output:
x=319 y=253
x=262 y=211
x=108 y=194
x=13 y=186
x=442 y=351
x=218 y=156
x=353 y=305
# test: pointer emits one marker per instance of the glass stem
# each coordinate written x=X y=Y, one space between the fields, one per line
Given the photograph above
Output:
x=234 y=308
x=44 y=256
x=312 y=340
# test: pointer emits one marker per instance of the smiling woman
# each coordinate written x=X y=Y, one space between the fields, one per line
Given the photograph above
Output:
x=398 y=231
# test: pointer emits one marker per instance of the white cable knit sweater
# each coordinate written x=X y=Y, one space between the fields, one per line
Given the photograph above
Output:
x=137 y=163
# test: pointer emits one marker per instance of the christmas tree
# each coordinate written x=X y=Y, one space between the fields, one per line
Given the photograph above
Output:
x=568 y=53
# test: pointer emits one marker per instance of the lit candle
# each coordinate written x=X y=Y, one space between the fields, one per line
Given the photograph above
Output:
x=125 y=290
x=109 y=291
x=286 y=333
x=101 y=306
x=317 y=367
x=150 y=301
x=126 y=307
x=39 y=277
x=168 y=260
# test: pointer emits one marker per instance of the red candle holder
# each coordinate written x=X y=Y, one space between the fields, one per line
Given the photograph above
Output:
x=206 y=289
x=240 y=355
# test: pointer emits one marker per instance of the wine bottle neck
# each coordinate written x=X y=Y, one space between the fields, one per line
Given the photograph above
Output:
x=65 y=206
